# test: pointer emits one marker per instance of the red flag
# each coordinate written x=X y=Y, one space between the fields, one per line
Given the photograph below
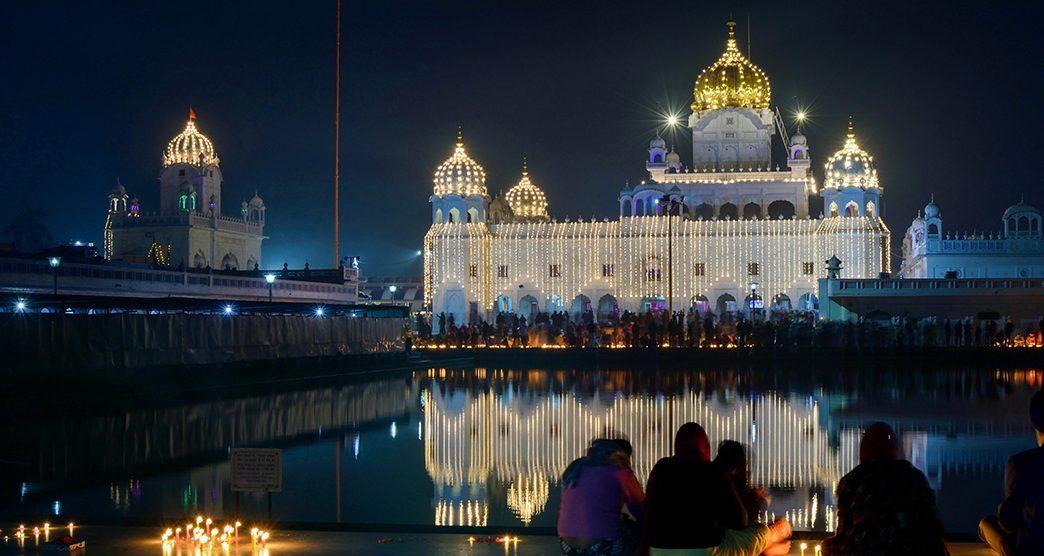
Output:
x=192 y=113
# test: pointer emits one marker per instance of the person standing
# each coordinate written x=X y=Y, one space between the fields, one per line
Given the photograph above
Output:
x=1018 y=527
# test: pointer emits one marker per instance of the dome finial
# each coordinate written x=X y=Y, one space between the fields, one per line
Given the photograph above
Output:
x=460 y=136
x=732 y=30
x=851 y=128
x=525 y=167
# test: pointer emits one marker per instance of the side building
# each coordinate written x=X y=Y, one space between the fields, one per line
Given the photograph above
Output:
x=727 y=235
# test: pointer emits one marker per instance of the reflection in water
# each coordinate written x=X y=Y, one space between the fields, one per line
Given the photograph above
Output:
x=491 y=444
x=523 y=429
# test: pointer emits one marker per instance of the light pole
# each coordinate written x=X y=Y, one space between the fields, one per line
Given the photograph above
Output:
x=270 y=279
x=753 y=301
x=55 y=261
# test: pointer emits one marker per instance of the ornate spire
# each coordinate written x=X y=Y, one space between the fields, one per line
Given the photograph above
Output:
x=460 y=136
x=525 y=167
x=851 y=128
x=732 y=32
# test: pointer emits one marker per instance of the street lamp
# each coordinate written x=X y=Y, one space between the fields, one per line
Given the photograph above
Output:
x=270 y=279
x=753 y=300
x=55 y=261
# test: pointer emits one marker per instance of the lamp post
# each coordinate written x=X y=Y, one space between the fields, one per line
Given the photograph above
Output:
x=55 y=261
x=270 y=279
x=753 y=301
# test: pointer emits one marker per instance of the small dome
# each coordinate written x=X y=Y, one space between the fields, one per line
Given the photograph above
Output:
x=851 y=166
x=460 y=174
x=257 y=202
x=673 y=157
x=657 y=142
x=931 y=210
x=1019 y=209
x=190 y=147
x=526 y=199
x=732 y=81
x=798 y=139
x=119 y=190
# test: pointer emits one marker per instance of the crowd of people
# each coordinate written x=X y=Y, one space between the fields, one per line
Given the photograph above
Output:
x=695 y=506
x=691 y=328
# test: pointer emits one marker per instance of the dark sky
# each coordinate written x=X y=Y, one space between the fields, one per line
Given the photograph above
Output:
x=945 y=95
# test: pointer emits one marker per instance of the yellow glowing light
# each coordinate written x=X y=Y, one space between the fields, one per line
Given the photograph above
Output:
x=851 y=166
x=190 y=147
x=460 y=174
x=527 y=201
x=801 y=115
x=672 y=120
x=731 y=81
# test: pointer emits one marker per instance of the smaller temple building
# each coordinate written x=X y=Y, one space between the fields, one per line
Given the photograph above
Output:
x=1015 y=251
x=189 y=228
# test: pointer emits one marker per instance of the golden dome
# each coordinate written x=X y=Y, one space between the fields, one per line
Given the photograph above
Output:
x=526 y=199
x=732 y=81
x=190 y=147
x=460 y=174
x=851 y=166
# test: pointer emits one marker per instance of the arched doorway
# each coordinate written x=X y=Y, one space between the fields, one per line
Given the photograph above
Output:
x=728 y=210
x=230 y=262
x=780 y=209
x=725 y=304
x=751 y=210
x=700 y=304
x=608 y=308
x=781 y=303
x=554 y=303
x=581 y=304
x=653 y=304
x=528 y=307
x=808 y=302
x=503 y=305
x=702 y=212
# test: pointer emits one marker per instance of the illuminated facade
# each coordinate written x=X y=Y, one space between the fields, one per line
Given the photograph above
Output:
x=740 y=222
x=1016 y=252
x=189 y=228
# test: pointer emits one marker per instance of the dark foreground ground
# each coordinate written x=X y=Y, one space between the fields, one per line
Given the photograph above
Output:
x=135 y=541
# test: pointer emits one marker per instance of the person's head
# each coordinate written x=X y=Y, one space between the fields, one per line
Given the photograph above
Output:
x=1037 y=415
x=732 y=458
x=691 y=443
x=879 y=442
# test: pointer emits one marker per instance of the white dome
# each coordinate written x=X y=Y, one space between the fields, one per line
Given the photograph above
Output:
x=190 y=147
x=851 y=166
x=798 y=139
x=257 y=202
x=931 y=210
x=460 y=174
x=657 y=143
x=526 y=199
x=1020 y=208
x=673 y=157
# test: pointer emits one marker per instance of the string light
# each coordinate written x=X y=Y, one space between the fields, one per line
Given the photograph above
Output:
x=460 y=174
x=851 y=166
x=733 y=80
x=188 y=146
x=526 y=199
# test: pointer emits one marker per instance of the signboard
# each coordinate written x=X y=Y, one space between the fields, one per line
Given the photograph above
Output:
x=257 y=470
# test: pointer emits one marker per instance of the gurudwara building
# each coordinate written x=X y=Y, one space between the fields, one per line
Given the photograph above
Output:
x=189 y=228
x=729 y=233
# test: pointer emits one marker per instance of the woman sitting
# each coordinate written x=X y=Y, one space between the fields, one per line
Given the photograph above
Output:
x=732 y=459
x=692 y=508
x=884 y=505
x=594 y=489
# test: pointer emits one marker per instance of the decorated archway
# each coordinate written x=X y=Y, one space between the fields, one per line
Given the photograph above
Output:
x=581 y=304
x=608 y=308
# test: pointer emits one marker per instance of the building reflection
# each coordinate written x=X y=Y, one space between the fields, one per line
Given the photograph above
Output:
x=521 y=429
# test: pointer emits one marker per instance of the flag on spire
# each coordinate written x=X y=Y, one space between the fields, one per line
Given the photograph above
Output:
x=192 y=114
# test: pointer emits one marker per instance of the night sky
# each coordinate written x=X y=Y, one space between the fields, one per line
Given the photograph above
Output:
x=945 y=96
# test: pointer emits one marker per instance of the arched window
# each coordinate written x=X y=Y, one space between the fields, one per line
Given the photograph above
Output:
x=473 y=215
x=657 y=158
x=438 y=216
x=833 y=209
x=728 y=210
x=870 y=208
x=704 y=211
x=626 y=208
x=454 y=215
x=851 y=209
x=752 y=210
x=1023 y=224
x=933 y=229
x=781 y=209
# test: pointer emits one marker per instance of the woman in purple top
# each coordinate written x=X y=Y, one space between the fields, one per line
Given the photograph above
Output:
x=595 y=488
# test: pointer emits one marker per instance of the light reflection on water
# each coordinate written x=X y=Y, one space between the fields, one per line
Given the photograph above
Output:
x=491 y=444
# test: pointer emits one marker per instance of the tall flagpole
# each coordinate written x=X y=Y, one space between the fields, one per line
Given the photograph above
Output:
x=337 y=148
